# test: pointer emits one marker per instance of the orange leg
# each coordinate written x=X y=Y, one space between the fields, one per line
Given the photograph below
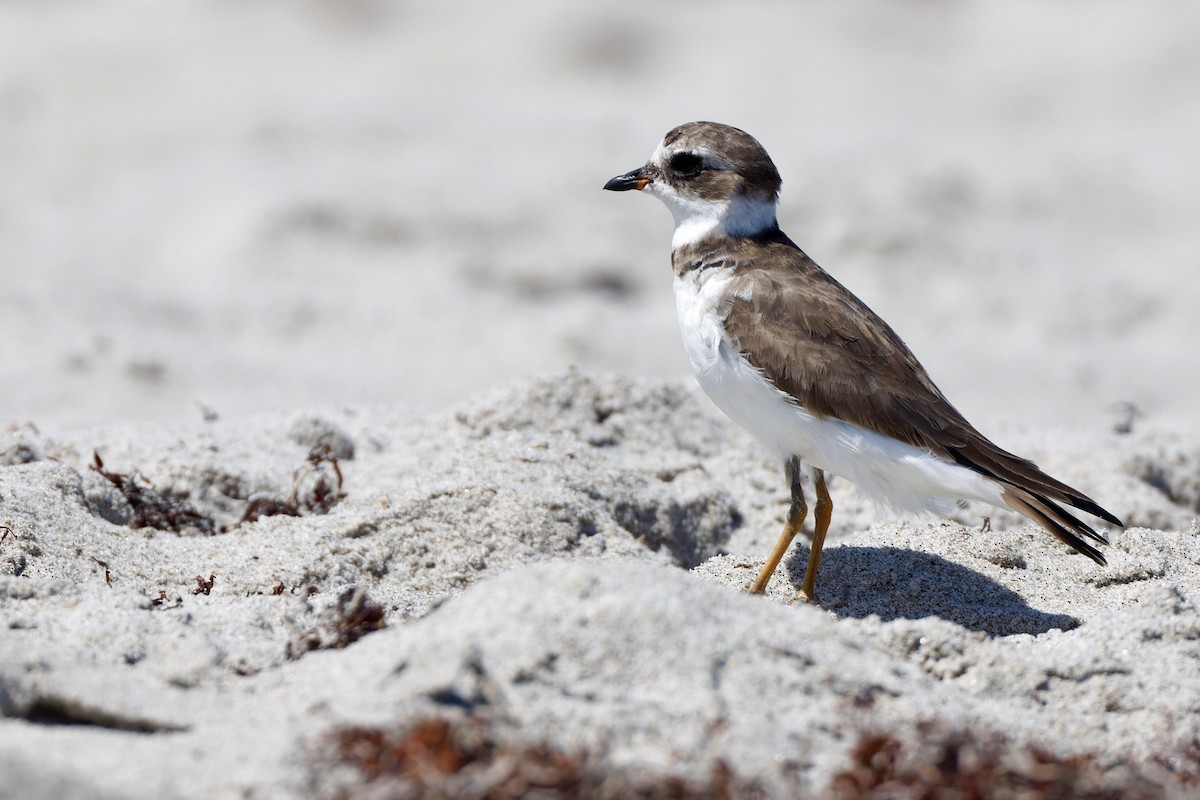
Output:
x=796 y=514
x=823 y=513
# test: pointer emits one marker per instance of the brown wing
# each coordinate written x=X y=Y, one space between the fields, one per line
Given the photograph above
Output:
x=818 y=342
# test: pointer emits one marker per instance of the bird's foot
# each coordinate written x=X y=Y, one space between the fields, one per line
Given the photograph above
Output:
x=804 y=596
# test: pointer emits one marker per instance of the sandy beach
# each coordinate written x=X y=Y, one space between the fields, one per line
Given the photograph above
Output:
x=348 y=433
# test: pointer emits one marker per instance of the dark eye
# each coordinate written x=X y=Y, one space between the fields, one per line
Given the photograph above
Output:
x=686 y=164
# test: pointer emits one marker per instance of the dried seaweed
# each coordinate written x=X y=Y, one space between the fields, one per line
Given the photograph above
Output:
x=151 y=507
x=353 y=616
x=962 y=764
x=461 y=758
x=316 y=488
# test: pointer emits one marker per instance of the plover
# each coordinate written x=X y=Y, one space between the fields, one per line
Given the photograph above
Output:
x=815 y=375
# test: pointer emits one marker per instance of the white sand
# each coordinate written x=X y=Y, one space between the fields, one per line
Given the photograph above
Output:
x=372 y=226
x=614 y=487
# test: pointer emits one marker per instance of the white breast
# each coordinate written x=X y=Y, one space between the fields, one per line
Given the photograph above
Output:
x=893 y=473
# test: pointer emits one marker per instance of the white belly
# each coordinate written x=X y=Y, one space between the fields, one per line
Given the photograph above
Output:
x=895 y=474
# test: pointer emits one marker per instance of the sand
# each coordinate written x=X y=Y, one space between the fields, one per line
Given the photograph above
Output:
x=332 y=289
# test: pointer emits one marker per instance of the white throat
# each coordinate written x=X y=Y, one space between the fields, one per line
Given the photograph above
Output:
x=697 y=218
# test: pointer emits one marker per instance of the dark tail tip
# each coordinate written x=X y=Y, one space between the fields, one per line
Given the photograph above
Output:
x=1058 y=522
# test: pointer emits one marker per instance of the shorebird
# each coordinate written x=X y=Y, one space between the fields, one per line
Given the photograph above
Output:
x=808 y=369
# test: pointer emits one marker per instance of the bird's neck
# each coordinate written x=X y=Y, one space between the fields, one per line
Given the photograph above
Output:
x=699 y=219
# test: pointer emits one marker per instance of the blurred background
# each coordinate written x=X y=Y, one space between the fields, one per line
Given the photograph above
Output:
x=238 y=206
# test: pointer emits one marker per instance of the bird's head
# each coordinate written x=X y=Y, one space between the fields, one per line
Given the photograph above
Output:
x=715 y=179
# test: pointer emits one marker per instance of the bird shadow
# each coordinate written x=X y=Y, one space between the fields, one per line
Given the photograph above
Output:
x=894 y=583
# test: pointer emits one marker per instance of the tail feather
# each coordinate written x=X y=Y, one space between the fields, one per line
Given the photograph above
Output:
x=1057 y=521
x=1023 y=475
